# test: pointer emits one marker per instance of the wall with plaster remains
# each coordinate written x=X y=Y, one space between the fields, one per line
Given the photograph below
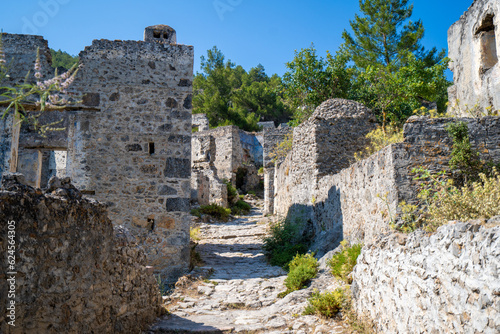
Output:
x=474 y=49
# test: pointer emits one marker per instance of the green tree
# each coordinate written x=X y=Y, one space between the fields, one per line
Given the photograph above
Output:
x=61 y=59
x=394 y=73
x=384 y=34
x=311 y=79
x=395 y=93
x=231 y=96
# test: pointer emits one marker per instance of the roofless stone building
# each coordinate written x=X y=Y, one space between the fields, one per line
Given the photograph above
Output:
x=128 y=144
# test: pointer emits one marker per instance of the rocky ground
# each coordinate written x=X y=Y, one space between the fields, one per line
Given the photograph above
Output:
x=240 y=293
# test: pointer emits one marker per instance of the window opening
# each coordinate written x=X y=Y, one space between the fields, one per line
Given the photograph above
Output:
x=488 y=44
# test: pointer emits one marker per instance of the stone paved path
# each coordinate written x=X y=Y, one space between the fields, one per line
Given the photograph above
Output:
x=241 y=293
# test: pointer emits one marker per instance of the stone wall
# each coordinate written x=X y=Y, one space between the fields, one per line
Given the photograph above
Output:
x=128 y=143
x=75 y=272
x=20 y=54
x=322 y=146
x=224 y=153
x=474 y=48
x=358 y=202
x=442 y=283
x=272 y=137
x=200 y=121
x=252 y=146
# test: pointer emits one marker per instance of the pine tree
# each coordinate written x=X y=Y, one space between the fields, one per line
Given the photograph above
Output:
x=381 y=35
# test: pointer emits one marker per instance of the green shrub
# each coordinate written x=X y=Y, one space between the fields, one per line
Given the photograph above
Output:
x=342 y=263
x=260 y=171
x=303 y=268
x=196 y=212
x=284 y=243
x=241 y=208
x=232 y=193
x=216 y=211
x=326 y=304
x=479 y=200
x=464 y=160
x=161 y=286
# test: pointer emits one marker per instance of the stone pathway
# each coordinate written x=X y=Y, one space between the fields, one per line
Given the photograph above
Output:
x=240 y=295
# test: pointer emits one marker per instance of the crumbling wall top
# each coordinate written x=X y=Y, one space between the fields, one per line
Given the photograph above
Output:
x=160 y=33
x=341 y=108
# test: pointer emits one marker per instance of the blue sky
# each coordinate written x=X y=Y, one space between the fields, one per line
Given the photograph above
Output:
x=248 y=32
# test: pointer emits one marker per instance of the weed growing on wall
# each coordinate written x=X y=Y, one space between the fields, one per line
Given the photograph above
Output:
x=161 y=286
x=464 y=162
x=432 y=113
x=50 y=94
x=303 y=268
x=232 y=193
x=380 y=139
x=280 y=151
x=194 y=233
x=342 y=263
x=475 y=110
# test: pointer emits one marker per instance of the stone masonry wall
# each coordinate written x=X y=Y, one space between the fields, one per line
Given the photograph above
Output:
x=474 y=49
x=134 y=154
x=271 y=137
x=5 y=141
x=75 y=273
x=358 y=202
x=443 y=283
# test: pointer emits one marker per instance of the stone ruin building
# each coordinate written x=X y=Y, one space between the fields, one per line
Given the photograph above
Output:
x=127 y=144
x=223 y=154
x=474 y=49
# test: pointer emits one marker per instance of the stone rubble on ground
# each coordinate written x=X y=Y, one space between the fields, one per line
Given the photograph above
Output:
x=241 y=295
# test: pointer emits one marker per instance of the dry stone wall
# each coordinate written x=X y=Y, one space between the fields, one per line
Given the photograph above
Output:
x=474 y=49
x=358 y=202
x=442 y=283
x=128 y=144
x=76 y=273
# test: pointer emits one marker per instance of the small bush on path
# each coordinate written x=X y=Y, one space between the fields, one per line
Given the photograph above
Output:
x=303 y=268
